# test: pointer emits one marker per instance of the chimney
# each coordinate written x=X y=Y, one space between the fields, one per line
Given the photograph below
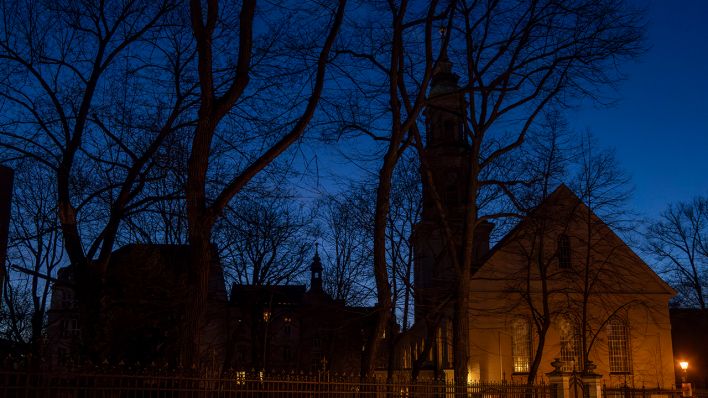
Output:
x=481 y=240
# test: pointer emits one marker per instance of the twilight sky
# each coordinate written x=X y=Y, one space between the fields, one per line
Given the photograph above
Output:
x=659 y=127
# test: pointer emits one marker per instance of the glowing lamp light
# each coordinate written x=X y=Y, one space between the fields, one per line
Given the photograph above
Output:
x=683 y=365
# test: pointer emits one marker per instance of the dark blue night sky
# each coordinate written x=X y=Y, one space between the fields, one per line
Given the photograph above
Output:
x=658 y=124
x=659 y=127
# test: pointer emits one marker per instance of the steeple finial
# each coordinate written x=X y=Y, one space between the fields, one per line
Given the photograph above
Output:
x=443 y=60
x=443 y=79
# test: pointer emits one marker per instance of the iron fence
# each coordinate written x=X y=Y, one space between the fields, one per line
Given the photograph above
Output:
x=164 y=383
x=242 y=384
x=628 y=392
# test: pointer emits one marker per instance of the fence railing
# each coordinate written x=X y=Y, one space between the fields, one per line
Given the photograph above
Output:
x=242 y=384
x=627 y=392
x=176 y=384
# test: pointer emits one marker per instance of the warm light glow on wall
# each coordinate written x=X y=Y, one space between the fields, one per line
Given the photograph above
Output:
x=473 y=374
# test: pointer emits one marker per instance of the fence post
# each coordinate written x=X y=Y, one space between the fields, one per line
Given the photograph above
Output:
x=558 y=381
x=591 y=381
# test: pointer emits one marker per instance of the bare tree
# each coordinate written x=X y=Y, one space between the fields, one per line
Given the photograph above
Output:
x=221 y=88
x=403 y=70
x=91 y=91
x=603 y=189
x=569 y=262
x=406 y=207
x=518 y=59
x=679 y=241
x=35 y=254
x=544 y=163
x=346 y=245
x=266 y=240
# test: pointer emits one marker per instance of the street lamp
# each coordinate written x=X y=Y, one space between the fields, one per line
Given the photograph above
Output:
x=685 y=385
x=684 y=367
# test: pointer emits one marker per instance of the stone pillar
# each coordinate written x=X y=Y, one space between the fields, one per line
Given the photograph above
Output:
x=686 y=390
x=559 y=380
x=591 y=381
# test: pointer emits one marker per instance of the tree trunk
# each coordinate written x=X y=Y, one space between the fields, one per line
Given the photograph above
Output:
x=200 y=264
x=461 y=329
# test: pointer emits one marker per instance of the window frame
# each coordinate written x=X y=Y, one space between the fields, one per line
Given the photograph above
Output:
x=618 y=346
x=521 y=346
x=570 y=345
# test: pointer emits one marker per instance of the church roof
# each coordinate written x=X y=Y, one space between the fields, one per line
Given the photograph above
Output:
x=563 y=202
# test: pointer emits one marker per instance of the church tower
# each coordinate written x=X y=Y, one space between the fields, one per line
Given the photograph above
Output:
x=316 y=273
x=448 y=155
x=446 y=146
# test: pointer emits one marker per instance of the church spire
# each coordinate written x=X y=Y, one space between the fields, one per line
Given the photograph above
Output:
x=316 y=272
x=443 y=80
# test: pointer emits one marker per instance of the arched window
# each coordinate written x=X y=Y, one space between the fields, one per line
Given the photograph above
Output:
x=563 y=251
x=571 y=346
x=618 y=346
x=521 y=345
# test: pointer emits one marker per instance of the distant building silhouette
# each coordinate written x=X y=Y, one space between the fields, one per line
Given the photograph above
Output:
x=283 y=327
x=289 y=327
x=144 y=305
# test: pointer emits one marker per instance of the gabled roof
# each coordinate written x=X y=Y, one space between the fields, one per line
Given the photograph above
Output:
x=563 y=198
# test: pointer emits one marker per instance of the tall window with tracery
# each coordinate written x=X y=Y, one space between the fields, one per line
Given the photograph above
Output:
x=571 y=347
x=521 y=345
x=618 y=346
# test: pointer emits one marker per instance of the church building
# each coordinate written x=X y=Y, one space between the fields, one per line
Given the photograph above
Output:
x=562 y=284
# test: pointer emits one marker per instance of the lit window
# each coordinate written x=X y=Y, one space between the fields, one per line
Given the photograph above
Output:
x=618 y=346
x=521 y=345
x=563 y=251
x=240 y=377
x=266 y=315
x=571 y=354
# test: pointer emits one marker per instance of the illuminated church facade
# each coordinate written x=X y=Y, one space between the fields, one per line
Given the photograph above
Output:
x=562 y=284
